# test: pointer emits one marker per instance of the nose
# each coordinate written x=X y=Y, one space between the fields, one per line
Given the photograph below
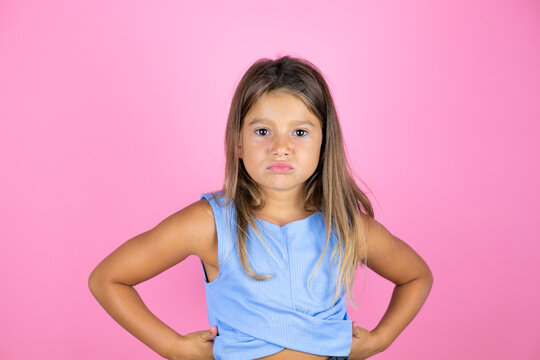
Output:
x=281 y=145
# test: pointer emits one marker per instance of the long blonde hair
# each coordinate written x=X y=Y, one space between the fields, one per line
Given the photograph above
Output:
x=330 y=189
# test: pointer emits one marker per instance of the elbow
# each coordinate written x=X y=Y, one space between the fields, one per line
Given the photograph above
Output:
x=426 y=275
x=429 y=276
x=428 y=281
x=95 y=281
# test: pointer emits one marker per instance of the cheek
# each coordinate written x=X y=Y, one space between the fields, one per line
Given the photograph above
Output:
x=253 y=154
x=316 y=153
x=256 y=149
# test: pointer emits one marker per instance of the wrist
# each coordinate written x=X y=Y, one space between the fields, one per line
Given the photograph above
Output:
x=383 y=340
x=177 y=349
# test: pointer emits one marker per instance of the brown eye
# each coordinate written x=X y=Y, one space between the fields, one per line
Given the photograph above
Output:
x=303 y=131
x=261 y=130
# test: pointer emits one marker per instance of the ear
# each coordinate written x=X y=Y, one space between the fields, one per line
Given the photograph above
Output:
x=240 y=149
x=240 y=152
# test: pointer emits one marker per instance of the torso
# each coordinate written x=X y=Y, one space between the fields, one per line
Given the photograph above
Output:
x=209 y=259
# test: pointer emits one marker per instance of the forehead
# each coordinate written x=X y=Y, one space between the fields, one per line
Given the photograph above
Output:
x=279 y=107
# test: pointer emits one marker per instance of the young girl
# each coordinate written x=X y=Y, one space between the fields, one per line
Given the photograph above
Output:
x=279 y=244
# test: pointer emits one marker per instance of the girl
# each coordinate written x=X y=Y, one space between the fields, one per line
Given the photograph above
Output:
x=279 y=244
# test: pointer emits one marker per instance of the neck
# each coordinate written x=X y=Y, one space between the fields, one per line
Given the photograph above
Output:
x=283 y=203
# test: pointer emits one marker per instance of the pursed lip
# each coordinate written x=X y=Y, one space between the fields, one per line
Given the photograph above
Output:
x=280 y=164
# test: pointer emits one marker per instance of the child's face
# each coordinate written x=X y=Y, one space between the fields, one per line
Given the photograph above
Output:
x=281 y=133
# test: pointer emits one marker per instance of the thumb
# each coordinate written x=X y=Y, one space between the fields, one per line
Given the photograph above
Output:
x=209 y=334
x=213 y=331
x=355 y=328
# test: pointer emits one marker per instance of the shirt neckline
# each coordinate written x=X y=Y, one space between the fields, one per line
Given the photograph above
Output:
x=289 y=223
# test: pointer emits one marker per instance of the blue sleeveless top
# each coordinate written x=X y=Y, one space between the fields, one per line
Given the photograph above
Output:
x=260 y=318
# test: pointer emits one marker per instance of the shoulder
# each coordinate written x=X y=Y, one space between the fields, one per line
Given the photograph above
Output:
x=374 y=232
x=365 y=219
x=366 y=223
x=197 y=222
x=190 y=230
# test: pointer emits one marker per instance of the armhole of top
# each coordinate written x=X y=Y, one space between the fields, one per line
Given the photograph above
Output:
x=224 y=234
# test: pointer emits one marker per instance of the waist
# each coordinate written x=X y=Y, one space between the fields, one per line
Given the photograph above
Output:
x=284 y=343
x=290 y=354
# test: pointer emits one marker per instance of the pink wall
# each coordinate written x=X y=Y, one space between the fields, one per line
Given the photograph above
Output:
x=109 y=109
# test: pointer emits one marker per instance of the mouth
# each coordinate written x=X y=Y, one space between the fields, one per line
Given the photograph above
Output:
x=280 y=167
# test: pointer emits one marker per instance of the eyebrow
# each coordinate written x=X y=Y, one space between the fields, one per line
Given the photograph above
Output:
x=297 y=122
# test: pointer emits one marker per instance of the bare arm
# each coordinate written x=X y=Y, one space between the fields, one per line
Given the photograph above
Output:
x=396 y=261
x=187 y=232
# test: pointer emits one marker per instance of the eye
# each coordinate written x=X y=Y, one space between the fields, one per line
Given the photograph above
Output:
x=303 y=131
x=260 y=130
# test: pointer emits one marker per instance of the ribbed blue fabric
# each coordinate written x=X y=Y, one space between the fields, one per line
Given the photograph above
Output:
x=260 y=318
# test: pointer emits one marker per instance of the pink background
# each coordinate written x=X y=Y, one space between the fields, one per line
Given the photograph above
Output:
x=113 y=116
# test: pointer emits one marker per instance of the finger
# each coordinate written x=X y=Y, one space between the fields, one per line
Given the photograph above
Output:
x=210 y=333
x=355 y=327
x=357 y=330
